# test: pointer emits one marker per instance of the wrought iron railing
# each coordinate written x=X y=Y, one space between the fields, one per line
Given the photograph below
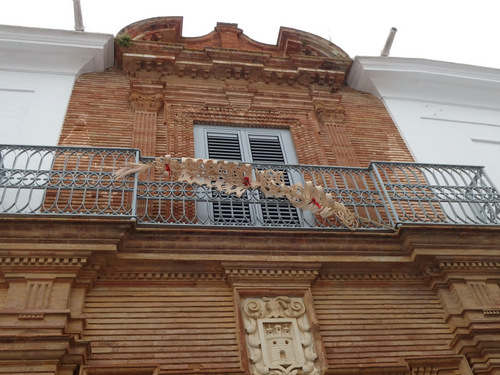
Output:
x=75 y=181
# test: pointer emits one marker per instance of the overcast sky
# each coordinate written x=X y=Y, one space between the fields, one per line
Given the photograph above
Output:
x=460 y=31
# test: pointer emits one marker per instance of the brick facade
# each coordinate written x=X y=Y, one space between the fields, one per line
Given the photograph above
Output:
x=93 y=296
x=103 y=98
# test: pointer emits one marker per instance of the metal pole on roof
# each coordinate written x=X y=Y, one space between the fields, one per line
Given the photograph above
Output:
x=78 y=16
x=388 y=42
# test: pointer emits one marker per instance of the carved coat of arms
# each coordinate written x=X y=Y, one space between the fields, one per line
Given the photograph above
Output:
x=278 y=337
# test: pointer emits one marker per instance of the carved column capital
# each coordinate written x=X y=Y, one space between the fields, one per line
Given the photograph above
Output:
x=146 y=101
x=146 y=95
x=328 y=113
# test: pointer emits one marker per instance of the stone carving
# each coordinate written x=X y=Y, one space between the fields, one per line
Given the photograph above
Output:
x=277 y=336
x=480 y=291
x=329 y=113
x=142 y=101
x=37 y=295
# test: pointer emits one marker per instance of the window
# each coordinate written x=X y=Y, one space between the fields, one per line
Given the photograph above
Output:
x=255 y=145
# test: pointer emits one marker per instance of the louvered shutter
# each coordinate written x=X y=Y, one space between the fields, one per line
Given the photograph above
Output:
x=266 y=149
x=223 y=146
x=226 y=209
x=275 y=211
x=247 y=145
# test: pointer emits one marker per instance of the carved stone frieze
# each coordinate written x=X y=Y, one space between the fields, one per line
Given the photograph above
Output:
x=161 y=67
x=278 y=337
x=209 y=114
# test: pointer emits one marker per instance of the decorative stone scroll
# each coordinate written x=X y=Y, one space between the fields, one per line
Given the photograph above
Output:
x=278 y=336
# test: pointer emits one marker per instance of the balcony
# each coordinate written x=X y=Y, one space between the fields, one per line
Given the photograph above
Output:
x=76 y=182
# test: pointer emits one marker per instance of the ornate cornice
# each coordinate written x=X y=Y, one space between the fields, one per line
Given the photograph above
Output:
x=371 y=276
x=159 y=276
x=239 y=65
x=271 y=273
x=462 y=268
x=290 y=275
x=43 y=261
x=469 y=265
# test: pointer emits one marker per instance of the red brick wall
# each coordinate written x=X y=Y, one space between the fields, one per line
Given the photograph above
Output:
x=184 y=325
x=103 y=99
x=377 y=321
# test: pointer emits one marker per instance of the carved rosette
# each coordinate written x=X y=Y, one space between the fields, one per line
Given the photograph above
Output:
x=278 y=336
x=143 y=101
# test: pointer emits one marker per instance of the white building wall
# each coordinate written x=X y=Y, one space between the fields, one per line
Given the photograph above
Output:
x=447 y=113
x=38 y=68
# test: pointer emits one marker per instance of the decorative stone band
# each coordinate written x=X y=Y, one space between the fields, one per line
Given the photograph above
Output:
x=236 y=178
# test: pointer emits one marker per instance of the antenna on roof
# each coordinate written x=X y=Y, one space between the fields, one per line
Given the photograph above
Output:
x=388 y=42
x=78 y=16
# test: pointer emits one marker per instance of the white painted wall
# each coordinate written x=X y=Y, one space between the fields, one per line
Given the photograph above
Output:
x=38 y=68
x=447 y=113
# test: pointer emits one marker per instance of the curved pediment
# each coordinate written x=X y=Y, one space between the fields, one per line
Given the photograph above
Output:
x=228 y=35
x=226 y=52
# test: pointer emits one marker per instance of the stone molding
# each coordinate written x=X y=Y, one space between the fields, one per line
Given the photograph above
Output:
x=263 y=118
x=256 y=69
x=290 y=275
x=468 y=265
x=159 y=276
x=120 y=370
x=451 y=365
x=372 y=276
x=43 y=261
x=492 y=312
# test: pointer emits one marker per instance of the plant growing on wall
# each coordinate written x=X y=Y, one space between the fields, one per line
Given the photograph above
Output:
x=124 y=40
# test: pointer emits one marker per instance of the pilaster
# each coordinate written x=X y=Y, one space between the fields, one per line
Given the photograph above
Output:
x=42 y=320
x=470 y=294
x=330 y=115
x=146 y=99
